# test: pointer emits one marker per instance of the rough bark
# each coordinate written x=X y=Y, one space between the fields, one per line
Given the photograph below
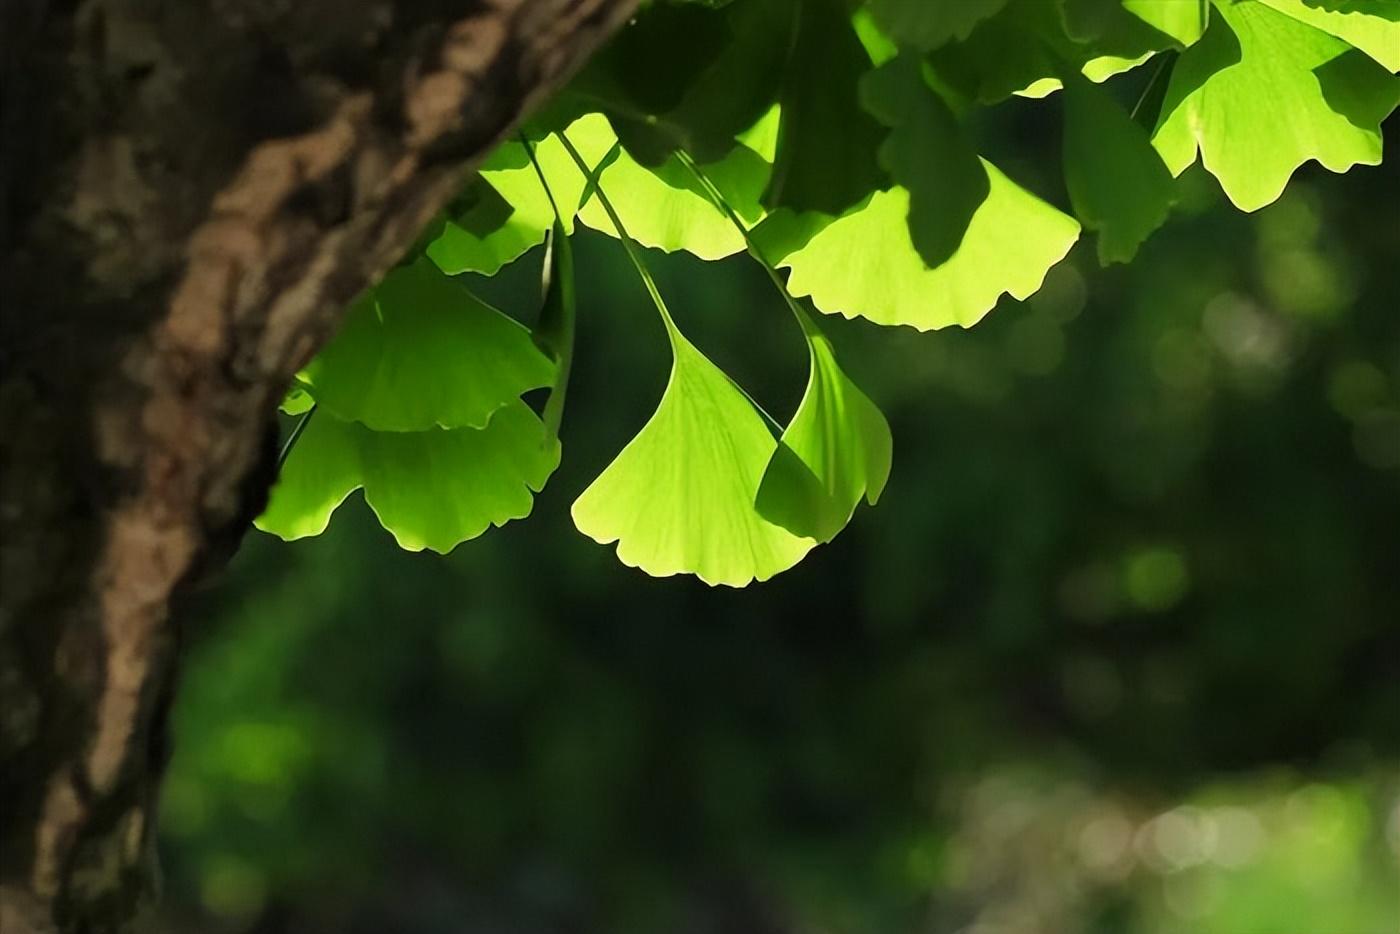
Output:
x=192 y=192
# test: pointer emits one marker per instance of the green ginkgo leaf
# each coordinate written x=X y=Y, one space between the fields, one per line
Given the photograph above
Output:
x=836 y=450
x=825 y=158
x=431 y=489
x=1024 y=49
x=664 y=207
x=927 y=153
x=420 y=351
x=459 y=248
x=1261 y=94
x=1373 y=26
x=863 y=264
x=1117 y=182
x=928 y=24
x=679 y=498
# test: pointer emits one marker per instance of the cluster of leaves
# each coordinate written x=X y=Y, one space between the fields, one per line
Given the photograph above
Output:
x=839 y=146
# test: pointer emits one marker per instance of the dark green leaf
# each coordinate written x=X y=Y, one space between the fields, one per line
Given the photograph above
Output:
x=1117 y=182
x=826 y=141
x=927 y=154
x=928 y=24
x=420 y=351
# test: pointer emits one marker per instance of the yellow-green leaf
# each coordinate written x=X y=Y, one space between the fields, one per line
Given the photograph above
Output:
x=1263 y=93
x=863 y=264
x=679 y=498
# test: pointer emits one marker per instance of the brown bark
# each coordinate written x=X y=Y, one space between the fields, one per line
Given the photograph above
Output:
x=192 y=192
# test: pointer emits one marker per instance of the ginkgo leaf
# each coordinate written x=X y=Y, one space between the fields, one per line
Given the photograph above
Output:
x=1261 y=94
x=431 y=489
x=825 y=159
x=458 y=248
x=928 y=24
x=836 y=450
x=1117 y=182
x=322 y=468
x=1023 y=50
x=862 y=264
x=420 y=351
x=1373 y=26
x=664 y=207
x=679 y=498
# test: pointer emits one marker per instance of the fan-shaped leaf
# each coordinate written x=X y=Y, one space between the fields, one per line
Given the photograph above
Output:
x=927 y=24
x=836 y=450
x=431 y=489
x=1373 y=26
x=1116 y=180
x=679 y=498
x=1261 y=94
x=419 y=351
x=863 y=264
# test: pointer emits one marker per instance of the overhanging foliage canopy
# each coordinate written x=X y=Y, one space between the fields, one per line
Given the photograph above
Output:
x=838 y=146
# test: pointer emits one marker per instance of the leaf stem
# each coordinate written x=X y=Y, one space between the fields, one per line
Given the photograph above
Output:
x=555 y=329
x=634 y=254
x=1151 y=83
x=809 y=328
x=294 y=436
x=628 y=244
x=539 y=173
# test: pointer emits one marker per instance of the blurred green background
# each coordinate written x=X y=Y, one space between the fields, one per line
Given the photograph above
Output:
x=1119 y=651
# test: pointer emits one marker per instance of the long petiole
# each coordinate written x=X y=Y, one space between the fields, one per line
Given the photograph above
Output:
x=292 y=439
x=722 y=203
x=555 y=329
x=627 y=243
x=635 y=256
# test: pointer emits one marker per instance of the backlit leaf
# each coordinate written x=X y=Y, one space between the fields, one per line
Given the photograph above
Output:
x=835 y=451
x=1261 y=94
x=1373 y=26
x=459 y=249
x=431 y=489
x=679 y=498
x=862 y=264
x=665 y=207
x=1183 y=20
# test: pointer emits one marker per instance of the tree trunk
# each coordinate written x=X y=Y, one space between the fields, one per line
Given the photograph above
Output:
x=193 y=190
